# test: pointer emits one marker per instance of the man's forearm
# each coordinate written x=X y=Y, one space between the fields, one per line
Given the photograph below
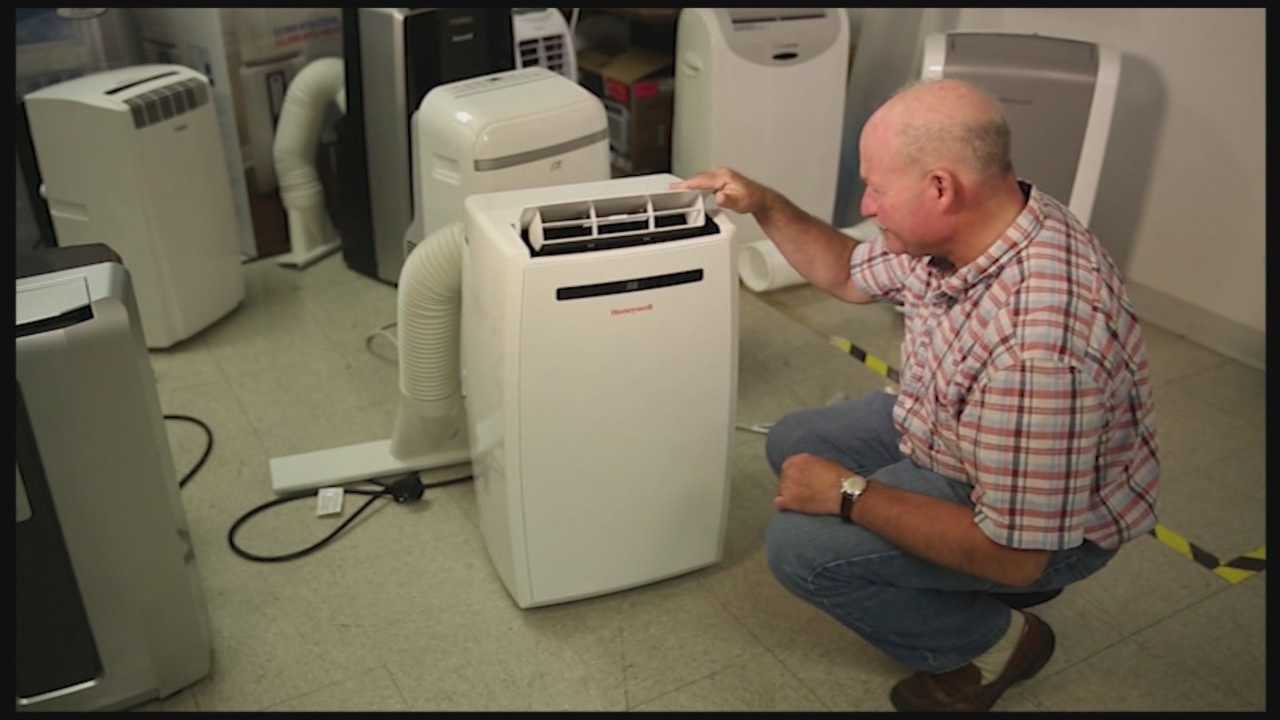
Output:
x=944 y=533
x=815 y=249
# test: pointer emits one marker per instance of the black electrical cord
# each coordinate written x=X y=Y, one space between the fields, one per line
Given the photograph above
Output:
x=407 y=488
x=208 y=448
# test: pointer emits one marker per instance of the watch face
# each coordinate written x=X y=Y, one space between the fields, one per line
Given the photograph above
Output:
x=854 y=485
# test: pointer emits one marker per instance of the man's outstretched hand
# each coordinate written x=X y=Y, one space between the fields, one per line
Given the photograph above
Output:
x=733 y=190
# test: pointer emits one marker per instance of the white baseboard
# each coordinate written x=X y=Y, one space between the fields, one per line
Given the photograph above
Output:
x=1203 y=327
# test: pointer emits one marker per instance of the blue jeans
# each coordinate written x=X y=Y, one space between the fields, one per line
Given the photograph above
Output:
x=925 y=616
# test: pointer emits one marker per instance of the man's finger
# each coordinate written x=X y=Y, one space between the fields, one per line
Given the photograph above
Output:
x=697 y=182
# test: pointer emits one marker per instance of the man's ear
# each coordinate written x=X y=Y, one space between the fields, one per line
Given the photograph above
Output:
x=943 y=188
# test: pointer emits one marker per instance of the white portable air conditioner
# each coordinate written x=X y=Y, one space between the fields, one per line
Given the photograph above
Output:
x=762 y=90
x=506 y=131
x=264 y=84
x=599 y=364
x=1060 y=92
x=542 y=38
x=133 y=159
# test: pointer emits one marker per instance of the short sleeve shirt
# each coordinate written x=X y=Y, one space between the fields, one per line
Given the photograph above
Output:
x=1025 y=375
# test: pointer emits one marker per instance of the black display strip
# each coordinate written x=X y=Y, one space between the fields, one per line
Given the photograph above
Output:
x=625 y=286
x=57 y=322
x=784 y=18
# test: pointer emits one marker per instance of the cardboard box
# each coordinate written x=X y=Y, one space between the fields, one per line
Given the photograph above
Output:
x=591 y=65
x=638 y=90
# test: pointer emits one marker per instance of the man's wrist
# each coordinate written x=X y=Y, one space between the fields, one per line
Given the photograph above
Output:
x=852 y=489
x=853 y=507
x=772 y=205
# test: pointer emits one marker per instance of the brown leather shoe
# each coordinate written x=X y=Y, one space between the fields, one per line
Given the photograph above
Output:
x=1022 y=601
x=962 y=689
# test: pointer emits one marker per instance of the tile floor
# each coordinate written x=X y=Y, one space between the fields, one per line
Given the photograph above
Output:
x=405 y=612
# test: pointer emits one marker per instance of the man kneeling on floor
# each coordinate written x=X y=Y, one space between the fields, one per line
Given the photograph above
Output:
x=1019 y=453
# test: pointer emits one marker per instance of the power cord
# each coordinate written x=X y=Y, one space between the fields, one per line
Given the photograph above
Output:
x=407 y=488
x=208 y=448
x=382 y=332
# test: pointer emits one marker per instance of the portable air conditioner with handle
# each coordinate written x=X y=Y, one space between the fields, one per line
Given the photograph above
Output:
x=503 y=131
x=132 y=158
x=599 y=375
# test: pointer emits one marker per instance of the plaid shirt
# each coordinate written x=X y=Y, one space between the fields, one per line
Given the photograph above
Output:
x=1025 y=375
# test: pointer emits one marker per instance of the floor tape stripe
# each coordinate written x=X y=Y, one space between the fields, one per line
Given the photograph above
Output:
x=875 y=364
x=1233 y=575
x=1244 y=567
x=1233 y=571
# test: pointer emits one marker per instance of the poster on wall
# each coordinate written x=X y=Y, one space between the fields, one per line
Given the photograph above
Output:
x=50 y=49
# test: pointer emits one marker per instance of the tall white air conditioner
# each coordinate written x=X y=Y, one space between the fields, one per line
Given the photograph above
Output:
x=133 y=159
x=542 y=38
x=506 y=131
x=1058 y=96
x=599 y=375
x=264 y=84
x=762 y=90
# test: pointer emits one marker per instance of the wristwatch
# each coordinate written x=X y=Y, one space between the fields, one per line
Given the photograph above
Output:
x=850 y=489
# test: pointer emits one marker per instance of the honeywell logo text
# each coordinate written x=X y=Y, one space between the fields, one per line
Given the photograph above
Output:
x=632 y=310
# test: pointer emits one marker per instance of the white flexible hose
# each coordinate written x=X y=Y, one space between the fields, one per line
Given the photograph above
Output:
x=294 y=150
x=428 y=318
x=762 y=266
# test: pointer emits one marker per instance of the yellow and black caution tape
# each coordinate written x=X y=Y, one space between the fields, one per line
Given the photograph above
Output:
x=1233 y=571
x=1243 y=567
x=878 y=366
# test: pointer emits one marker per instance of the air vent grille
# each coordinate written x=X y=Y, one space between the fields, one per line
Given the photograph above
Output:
x=615 y=222
x=547 y=52
x=168 y=101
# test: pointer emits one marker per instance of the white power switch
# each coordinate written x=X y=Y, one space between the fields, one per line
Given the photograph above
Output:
x=329 y=501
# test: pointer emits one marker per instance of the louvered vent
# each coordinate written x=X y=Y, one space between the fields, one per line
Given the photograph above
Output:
x=168 y=101
x=529 y=54
x=547 y=52
x=744 y=18
x=553 y=53
x=615 y=222
x=490 y=83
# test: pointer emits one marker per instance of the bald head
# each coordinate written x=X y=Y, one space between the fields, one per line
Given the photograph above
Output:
x=949 y=123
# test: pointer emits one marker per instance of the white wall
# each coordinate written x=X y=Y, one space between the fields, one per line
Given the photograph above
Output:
x=1181 y=200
